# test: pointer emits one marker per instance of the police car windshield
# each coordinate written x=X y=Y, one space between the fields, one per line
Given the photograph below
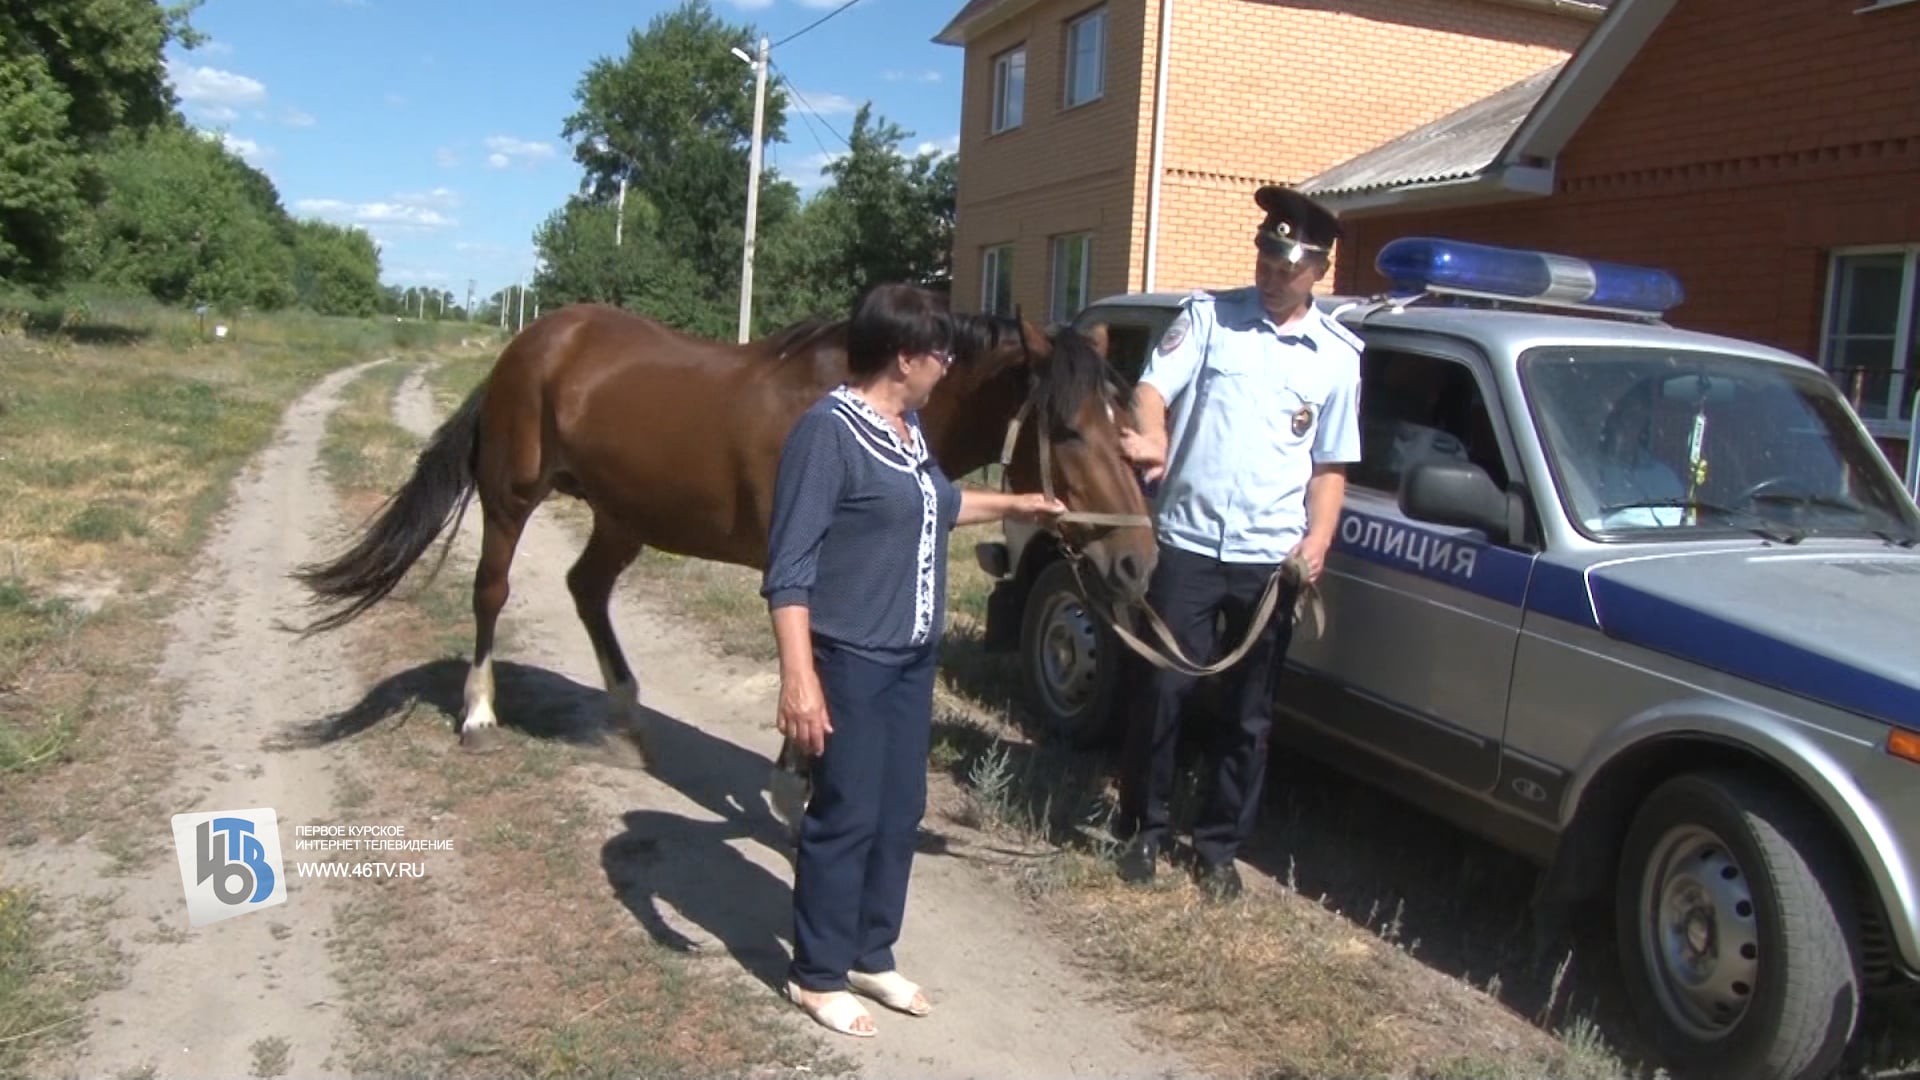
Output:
x=1657 y=444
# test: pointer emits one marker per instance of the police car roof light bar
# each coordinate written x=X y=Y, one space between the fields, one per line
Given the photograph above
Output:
x=1431 y=265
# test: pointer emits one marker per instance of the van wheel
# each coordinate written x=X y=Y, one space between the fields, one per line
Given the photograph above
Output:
x=1069 y=659
x=1733 y=916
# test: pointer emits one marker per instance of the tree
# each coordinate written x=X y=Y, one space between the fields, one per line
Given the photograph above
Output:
x=188 y=221
x=674 y=116
x=72 y=74
x=336 y=269
x=883 y=217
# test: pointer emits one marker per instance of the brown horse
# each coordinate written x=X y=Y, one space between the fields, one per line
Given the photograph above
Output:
x=674 y=441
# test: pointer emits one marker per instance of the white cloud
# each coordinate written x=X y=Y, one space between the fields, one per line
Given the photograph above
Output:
x=752 y=5
x=504 y=150
x=948 y=145
x=896 y=75
x=827 y=104
x=440 y=198
x=296 y=118
x=446 y=157
x=212 y=92
x=247 y=149
x=403 y=212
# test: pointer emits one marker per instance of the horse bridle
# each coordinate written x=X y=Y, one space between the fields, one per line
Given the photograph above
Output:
x=1168 y=655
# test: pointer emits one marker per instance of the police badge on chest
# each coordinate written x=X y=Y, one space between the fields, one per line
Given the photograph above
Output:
x=1302 y=420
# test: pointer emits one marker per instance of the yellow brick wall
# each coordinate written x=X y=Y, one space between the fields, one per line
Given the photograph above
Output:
x=1259 y=91
x=1062 y=171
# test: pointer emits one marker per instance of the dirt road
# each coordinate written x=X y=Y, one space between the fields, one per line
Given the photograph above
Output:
x=210 y=1001
x=707 y=869
x=1007 y=1003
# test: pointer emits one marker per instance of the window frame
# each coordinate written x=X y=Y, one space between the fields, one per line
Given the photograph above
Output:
x=1893 y=415
x=1056 y=265
x=996 y=260
x=1361 y=476
x=1068 y=61
x=1002 y=102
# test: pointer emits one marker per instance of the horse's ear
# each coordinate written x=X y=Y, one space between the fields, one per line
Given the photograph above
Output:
x=1037 y=346
x=1097 y=335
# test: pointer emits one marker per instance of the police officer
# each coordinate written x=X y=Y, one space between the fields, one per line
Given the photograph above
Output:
x=1247 y=413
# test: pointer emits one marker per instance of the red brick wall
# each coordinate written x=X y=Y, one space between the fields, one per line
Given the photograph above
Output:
x=1741 y=146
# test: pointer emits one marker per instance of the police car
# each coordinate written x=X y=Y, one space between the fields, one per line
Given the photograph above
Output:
x=1638 y=603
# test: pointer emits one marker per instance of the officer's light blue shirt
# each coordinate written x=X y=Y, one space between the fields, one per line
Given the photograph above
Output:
x=1251 y=408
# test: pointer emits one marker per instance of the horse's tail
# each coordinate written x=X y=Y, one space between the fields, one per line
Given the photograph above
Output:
x=436 y=494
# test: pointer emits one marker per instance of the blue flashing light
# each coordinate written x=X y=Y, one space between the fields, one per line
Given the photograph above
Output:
x=1417 y=264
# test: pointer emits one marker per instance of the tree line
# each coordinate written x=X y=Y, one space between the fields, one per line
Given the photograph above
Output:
x=673 y=118
x=103 y=181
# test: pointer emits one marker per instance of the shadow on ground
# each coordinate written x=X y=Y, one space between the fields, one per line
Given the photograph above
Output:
x=1461 y=905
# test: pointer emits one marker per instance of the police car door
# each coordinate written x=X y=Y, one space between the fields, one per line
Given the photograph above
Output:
x=1423 y=620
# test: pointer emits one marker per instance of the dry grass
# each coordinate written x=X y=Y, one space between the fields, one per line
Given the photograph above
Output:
x=121 y=428
x=1396 y=946
x=509 y=959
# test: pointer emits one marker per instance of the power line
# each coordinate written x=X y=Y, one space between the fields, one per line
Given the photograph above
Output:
x=809 y=108
x=815 y=23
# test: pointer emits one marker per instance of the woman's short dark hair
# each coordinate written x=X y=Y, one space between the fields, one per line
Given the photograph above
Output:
x=893 y=319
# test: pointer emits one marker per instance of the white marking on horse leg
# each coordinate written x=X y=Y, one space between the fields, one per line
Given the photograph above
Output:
x=479 y=697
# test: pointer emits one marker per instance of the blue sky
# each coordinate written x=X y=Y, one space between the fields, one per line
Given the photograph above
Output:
x=435 y=124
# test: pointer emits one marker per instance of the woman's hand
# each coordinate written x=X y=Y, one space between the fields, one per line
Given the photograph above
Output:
x=1035 y=507
x=802 y=715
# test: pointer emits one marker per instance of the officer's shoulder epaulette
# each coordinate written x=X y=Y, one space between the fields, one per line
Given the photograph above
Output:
x=1340 y=331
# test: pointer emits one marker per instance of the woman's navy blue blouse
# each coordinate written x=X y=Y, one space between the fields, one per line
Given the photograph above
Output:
x=860 y=526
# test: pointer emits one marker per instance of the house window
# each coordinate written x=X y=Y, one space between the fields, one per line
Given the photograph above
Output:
x=996 y=280
x=1086 y=58
x=1869 y=344
x=1072 y=269
x=1009 y=89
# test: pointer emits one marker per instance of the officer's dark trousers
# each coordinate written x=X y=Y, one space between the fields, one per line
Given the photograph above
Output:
x=1188 y=591
x=857 y=839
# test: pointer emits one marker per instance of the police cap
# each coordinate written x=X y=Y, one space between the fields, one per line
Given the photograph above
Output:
x=1296 y=226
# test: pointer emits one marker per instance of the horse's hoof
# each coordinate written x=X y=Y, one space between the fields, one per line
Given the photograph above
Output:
x=482 y=740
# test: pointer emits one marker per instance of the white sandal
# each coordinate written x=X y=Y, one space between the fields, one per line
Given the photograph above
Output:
x=838 y=1012
x=891 y=989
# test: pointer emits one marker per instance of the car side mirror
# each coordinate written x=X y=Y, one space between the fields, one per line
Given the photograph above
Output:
x=1456 y=493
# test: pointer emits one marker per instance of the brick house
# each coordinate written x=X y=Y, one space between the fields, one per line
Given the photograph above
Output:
x=1769 y=155
x=1115 y=145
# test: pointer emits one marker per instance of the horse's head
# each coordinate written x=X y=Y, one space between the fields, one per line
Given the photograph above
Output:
x=1028 y=398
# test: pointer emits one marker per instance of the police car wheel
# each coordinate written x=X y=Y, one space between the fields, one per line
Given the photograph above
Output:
x=1069 y=660
x=1735 y=928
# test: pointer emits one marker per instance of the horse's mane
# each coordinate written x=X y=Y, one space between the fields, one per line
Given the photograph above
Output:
x=794 y=337
x=1075 y=372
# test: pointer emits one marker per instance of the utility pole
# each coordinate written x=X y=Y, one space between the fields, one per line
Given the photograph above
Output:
x=469 y=299
x=521 y=323
x=759 y=63
x=506 y=300
x=620 y=214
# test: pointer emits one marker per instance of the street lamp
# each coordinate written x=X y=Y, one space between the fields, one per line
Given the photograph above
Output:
x=601 y=144
x=759 y=64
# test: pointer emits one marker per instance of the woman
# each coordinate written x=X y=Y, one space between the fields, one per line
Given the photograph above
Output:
x=856 y=586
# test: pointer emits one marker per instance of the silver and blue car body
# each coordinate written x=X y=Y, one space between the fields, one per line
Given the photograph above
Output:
x=1508 y=648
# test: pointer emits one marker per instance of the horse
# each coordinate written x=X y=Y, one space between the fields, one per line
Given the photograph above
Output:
x=673 y=441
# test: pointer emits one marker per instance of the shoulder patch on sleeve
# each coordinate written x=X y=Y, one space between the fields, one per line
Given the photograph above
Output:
x=1176 y=331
